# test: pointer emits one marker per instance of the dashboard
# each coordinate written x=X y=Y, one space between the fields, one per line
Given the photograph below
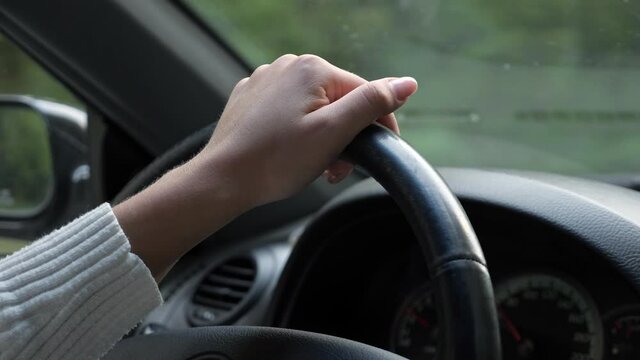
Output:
x=555 y=299
x=565 y=279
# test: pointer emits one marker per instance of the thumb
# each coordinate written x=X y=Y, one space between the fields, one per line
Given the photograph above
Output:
x=367 y=103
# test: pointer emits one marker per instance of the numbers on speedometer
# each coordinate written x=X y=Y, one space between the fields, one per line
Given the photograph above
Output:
x=545 y=317
x=542 y=316
x=415 y=331
x=623 y=330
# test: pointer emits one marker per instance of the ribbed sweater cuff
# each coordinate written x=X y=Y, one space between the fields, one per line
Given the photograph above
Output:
x=73 y=293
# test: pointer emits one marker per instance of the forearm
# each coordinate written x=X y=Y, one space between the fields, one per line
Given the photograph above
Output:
x=186 y=205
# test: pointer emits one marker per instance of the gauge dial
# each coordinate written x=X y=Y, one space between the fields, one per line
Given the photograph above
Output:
x=415 y=330
x=545 y=317
x=623 y=329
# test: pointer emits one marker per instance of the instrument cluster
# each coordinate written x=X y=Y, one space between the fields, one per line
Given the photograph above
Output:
x=543 y=315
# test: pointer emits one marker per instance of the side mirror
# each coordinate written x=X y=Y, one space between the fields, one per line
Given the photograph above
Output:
x=44 y=172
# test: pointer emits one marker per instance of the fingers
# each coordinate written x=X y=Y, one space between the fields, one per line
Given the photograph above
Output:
x=338 y=171
x=348 y=102
x=343 y=82
x=347 y=82
x=365 y=104
x=390 y=122
x=277 y=64
x=362 y=106
x=284 y=60
x=260 y=69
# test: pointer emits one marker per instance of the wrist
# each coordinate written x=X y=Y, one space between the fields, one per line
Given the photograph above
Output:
x=182 y=208
x=218 y=181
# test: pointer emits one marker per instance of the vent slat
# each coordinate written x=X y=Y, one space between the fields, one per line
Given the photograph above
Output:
x=228 y=281
x=226 y=292
x=216 y=304
x=222 y=291
x=240 y=271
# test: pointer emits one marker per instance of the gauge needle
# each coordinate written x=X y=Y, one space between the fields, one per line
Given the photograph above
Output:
x=512 y=328
x=619 y=328
x=422 y=321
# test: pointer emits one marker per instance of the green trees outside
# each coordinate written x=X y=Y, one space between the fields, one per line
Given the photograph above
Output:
x=530 y=84
x=353 y=34
x=25 y=157
x=26 y=170
x=19 y=74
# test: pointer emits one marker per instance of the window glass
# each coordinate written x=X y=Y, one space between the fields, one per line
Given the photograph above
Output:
x=531 y=84
x=26 y=166
x=26 y=169
x=19 y=74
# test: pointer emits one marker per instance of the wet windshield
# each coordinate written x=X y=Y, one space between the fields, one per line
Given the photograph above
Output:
x=548 y=85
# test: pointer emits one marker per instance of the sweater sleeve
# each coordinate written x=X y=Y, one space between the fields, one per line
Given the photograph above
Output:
x=74 y=293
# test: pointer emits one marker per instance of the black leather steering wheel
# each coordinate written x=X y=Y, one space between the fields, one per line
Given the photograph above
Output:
x=457 y=267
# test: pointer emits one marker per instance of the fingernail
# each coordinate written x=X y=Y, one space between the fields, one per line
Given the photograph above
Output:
x=403 y=87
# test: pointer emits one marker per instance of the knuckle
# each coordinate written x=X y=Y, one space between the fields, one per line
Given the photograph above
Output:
x=309 y=62
x=260 y=69
x=286 y=57
x=241 y=83
x=311 y=67
x=309 y=58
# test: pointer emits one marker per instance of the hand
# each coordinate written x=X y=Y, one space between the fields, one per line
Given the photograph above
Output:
x=290 y=121
x=281 y=128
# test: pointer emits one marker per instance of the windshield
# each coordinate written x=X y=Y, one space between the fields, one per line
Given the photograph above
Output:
x=547 y=85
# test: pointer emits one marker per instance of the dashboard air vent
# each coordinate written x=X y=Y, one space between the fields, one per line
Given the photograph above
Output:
x=223 y=293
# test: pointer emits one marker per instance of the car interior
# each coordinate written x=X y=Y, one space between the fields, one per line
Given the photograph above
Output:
x=536 y=257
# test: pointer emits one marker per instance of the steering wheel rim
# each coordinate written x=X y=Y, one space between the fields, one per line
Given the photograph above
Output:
x=457 y=267
x=461 y=281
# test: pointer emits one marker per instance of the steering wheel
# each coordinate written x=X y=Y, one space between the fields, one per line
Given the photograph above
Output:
x=457 y=269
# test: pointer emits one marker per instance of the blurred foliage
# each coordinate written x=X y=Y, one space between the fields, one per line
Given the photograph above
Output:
x=545 y=32
x=26 y=169
x=484 y=68
x=19 y=74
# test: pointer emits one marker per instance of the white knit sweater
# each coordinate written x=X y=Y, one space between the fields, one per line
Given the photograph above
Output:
x=74 y=293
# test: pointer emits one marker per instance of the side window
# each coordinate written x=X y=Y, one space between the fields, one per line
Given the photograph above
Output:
x=19 y=74
x=27 y=169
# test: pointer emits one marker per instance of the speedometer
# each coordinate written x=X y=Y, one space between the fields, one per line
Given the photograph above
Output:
x=542 y=316
x=623 y=330
x=545 y=317
x=415 y=331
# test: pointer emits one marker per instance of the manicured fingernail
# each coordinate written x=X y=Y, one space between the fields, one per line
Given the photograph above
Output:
x=403 y=87
x=335 y=178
